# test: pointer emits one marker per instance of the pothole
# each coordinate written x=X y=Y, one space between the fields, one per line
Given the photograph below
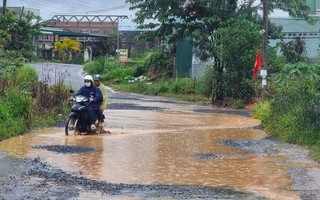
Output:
x=130 y=106
x=213 y=156
x=244 y=113
x=65 y=149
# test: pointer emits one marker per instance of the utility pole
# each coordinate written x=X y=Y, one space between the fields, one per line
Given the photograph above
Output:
x=265 y=4
x=4 y=7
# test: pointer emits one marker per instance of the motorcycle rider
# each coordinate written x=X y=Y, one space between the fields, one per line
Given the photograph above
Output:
x=97 y=83
x=95 y=97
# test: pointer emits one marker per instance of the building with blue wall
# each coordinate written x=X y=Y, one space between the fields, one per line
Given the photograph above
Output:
x=293 y=28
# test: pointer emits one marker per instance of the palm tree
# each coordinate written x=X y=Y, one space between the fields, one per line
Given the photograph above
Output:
x=67 y=46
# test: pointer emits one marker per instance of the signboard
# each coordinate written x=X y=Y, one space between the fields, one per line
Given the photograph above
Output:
x=263 y=73
x=123 y=55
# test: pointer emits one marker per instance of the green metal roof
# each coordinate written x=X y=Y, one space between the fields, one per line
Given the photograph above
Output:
x=48 y=31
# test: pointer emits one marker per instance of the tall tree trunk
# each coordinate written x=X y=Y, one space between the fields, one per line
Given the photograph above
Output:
x=217 y=94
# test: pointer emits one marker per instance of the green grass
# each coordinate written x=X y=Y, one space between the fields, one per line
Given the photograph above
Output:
x=118 y=75
x=315 y=152
x=183 y=89
x=261 y=110
x=187 y=97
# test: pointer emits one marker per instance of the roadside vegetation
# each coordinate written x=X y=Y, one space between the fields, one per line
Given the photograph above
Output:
x=292 y=112
x=146 y=76
x=25 y=103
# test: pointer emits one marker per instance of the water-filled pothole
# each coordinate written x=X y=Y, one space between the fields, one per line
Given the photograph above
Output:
x=213 y=156
x=65 y=149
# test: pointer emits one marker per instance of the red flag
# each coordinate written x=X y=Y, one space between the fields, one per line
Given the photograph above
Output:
x=257 y=64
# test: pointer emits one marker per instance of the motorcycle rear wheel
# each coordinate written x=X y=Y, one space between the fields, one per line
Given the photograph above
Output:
x=71 y=126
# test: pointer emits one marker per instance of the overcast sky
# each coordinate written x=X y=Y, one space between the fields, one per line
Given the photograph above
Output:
x=49 y=8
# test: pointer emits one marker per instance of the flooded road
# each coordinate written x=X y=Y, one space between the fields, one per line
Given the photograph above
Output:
x=158 y=142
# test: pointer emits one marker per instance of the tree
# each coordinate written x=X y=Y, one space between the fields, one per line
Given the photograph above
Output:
x=21 y=27
x=201 y=20
x=66 y=48
x=178 y=19
x=294 y=50
x=295 y=8
x=106 y=46
x=236 y=41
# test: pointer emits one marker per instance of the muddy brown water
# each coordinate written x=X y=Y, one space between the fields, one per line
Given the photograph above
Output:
x=164 y=147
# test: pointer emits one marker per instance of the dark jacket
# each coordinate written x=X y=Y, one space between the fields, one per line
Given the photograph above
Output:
x=93 y=92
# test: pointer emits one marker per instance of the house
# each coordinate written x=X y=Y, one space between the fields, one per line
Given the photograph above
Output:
x=298 y=28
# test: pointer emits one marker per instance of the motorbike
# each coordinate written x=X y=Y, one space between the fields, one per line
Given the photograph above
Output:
x=78 y=117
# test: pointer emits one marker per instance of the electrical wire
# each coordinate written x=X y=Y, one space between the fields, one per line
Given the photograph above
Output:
x=44 y=6
x=51 y=7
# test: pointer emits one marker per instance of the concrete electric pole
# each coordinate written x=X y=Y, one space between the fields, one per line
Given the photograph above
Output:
x=264 y=68
x=4 y=6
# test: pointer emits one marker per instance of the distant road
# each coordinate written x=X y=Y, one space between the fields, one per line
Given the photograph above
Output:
x=54 y=72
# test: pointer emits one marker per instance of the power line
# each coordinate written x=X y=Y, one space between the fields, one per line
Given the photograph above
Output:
x=100 y=10
x=37 y=5
x=108 y=9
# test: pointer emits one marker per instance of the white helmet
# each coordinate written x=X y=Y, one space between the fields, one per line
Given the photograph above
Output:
x=88 y=77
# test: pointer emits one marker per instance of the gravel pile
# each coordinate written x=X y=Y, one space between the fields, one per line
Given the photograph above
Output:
x=213 y=156
x=34 y=179
x=267 y=146
x=308 y=187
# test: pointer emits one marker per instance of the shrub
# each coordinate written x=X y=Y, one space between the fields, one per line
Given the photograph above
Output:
x=140 y=69
x=29 y=55
x=295 y=113
x=118 y=75
x=315 y=152
x=237 y=103
x=159 y=64
x=101 y=66
x=26 y=75
x=12 y=127
x=4 y=112
x=19 y=103
x=15 y=111
x=261 y=110
x=160 y=88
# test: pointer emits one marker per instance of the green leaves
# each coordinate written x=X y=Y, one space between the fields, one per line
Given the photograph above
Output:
x=181 y=18
x=298 y=71
x=67 y=46
x=21 y=27
x=295 y=8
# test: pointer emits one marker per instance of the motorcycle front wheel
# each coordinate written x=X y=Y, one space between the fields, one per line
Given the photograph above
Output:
x=71 y=125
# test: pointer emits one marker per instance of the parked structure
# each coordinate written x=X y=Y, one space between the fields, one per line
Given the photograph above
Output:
x=293 y=28
x=83 y=28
